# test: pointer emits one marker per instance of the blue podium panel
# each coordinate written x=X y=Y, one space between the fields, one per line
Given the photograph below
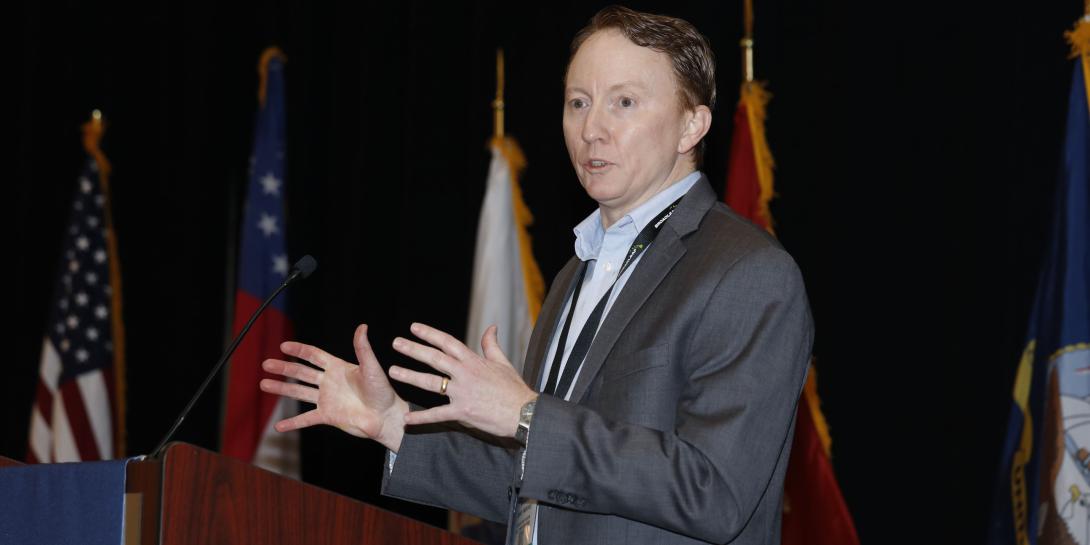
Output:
x=61 y=504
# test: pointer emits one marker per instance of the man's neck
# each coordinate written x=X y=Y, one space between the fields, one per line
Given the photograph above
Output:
x=611 y=215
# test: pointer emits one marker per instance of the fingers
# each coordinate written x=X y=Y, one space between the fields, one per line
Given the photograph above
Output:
x=490 y=344
x=293 y=370
x=290 y=389
x=424 y=381
x=442 y=413
x=445 y=342
x=307 y=419
x=313 y=354
x=364 y=354
x=425 y=354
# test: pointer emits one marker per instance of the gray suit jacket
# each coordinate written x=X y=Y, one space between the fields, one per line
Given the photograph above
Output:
x=680 y=423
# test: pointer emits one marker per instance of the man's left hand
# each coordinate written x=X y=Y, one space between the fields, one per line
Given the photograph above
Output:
x=485 y=393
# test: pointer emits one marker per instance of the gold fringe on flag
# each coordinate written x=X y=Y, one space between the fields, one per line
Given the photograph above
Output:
x=810 y=393
x=1079 y=38
x=532 y=279
x=755 y=98
x=92 y=137
x=263 y=70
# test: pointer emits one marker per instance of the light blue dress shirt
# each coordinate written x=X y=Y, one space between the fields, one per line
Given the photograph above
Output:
x=604 y=251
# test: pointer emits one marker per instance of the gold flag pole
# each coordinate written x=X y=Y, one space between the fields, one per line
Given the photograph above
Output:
x=747 y=44
x=497 y=104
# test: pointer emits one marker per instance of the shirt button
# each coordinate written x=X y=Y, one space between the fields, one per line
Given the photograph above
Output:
x=609 y=266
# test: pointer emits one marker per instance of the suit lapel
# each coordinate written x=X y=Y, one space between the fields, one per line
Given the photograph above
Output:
x=652 y=268
x=547 y=322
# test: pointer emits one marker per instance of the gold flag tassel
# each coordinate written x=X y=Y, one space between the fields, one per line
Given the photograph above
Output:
x=92 y=138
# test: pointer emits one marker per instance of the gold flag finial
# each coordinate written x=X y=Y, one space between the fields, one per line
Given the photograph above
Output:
x=92 y=136
x=497 y=104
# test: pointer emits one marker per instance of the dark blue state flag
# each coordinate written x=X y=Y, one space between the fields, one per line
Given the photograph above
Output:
x=1044 y=482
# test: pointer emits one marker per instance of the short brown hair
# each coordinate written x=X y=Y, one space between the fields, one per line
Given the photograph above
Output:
x=688 y=50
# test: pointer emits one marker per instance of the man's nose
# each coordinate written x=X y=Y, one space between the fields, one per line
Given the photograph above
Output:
x=593 y=128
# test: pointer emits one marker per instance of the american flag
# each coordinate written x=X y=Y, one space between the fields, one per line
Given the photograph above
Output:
x=263 y=264
x=76 y=408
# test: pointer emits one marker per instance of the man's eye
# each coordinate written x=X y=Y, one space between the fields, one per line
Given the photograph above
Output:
x=626 y=102
x=577 y=103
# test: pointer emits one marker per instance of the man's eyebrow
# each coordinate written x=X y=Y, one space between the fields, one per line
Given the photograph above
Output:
x=636 y=84
x=629 y=84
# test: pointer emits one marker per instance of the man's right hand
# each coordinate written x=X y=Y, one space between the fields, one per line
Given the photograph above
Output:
x=356 y=399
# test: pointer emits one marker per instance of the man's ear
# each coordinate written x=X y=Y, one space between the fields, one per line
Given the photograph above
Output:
x=697 y=124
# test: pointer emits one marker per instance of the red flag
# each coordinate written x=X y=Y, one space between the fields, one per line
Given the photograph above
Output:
x=248 y=432
x=749 y=178
x=814 y=511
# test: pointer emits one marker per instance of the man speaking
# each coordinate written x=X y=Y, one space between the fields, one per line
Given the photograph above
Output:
x=660 y=383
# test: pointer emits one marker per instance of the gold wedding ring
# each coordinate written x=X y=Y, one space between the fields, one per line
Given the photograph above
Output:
x=443 y=386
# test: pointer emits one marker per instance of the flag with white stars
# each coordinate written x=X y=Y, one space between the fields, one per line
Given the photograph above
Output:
x=263 y=265
x=76 y=407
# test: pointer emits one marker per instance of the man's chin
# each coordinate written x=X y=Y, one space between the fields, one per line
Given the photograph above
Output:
x=601 y=191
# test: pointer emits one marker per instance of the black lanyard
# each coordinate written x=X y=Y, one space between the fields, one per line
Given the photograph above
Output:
x=590 y=328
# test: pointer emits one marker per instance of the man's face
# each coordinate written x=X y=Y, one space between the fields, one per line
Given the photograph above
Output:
x=623 y=123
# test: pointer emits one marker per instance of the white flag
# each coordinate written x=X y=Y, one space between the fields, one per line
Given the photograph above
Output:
x=507 y=284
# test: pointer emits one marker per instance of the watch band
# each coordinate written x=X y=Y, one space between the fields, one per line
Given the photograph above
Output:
x=526 y=414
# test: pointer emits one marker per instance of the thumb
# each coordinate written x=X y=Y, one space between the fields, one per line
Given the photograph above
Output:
x=490 y=343
x=364 y=354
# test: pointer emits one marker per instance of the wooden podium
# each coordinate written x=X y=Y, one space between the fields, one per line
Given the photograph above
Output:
x=192 y=496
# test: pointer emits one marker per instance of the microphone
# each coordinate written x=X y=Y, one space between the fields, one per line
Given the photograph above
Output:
x=302 y=269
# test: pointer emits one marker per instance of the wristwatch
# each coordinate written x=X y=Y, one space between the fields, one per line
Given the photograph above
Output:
x=522 y=433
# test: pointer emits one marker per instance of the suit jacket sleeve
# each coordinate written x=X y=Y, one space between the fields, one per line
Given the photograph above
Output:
x=453 y=470
x=744 y=364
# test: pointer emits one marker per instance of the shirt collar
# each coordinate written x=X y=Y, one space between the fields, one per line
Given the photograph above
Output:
x=589 y=234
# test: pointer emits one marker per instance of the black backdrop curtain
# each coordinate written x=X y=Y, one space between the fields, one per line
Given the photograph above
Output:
x=916 y=150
